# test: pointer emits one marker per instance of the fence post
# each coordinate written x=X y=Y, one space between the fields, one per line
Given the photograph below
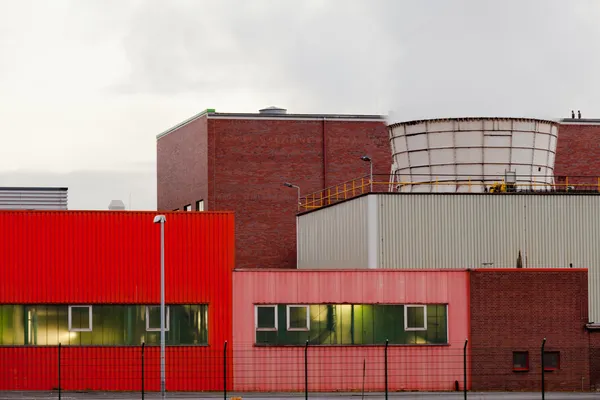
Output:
x=386 y=368
x=465 y=367
x=306 y=371
x=225 y=371
x=543 y=391
x=59 y=391
x=143 y=345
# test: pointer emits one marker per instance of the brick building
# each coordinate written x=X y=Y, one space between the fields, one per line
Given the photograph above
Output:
x=512 y=311
x=578 y=152
x=239 y=162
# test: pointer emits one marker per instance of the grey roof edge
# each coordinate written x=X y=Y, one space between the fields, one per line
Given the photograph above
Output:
x=582 y=121
x=183 y=123
x=212 y=113
x=34 y=188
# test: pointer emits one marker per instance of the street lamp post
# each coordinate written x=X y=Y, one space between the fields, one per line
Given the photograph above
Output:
x=367 y=158
x=294 y=186
x=161 y=219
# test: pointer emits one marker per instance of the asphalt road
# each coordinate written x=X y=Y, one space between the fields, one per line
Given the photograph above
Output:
x=311 y=396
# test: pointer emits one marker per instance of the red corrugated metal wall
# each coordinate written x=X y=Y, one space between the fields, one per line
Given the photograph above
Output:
x=113 y=257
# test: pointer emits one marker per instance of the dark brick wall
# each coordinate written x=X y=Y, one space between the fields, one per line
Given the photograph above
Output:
x=513 y=310
x=594 y=339
x=578 y=152
x=248 y=161
x=182 y=167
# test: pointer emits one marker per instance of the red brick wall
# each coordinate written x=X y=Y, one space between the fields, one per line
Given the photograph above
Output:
x=254 y=157
x=578 y=152
x=513 y=310
x=182 y=167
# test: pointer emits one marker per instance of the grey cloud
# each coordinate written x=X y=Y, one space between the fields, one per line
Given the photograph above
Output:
x=428 y=59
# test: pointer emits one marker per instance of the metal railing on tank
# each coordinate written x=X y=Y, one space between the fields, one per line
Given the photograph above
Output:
x=427 y=183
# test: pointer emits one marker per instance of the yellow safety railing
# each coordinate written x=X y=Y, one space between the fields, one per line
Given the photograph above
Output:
x=462 y=184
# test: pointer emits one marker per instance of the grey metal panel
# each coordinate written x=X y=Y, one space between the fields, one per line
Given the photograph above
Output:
x=468 y=231
x=33 y=199
x=334 y=237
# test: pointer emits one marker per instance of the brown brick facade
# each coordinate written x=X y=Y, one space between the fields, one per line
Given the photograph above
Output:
x=513 y=310
x=247 y=161
x=578 y=153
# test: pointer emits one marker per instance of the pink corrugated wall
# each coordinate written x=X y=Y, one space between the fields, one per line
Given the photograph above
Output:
x=340 y=368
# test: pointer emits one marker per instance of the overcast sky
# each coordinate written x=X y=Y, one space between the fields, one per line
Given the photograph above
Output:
x=86 y=85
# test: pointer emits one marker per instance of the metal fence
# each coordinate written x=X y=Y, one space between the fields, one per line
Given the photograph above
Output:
x=298 y=370
x=379 y=183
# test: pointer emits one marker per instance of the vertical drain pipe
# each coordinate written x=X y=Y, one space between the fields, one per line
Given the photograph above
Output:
x=324 y=138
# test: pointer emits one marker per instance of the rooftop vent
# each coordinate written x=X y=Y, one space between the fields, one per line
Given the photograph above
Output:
x=116 y=205
x=273 y=110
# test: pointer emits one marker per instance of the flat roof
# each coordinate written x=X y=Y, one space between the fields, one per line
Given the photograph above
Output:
x=540 y=193
x=582 y=121
x=212 y=114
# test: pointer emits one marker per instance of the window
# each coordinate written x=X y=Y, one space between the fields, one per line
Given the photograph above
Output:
x=298 y=318
x=187 y=207
x=415 y=318
x=177 y=209
x=114 y=325
x=80 y=318
x=551 y=360
x=153 y=318
x=266 y=318
x=348 y=324
x=200 y=205
x=520 y=361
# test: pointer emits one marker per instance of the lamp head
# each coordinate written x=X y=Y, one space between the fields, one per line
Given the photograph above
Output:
x=160 y=219
x=366 y=158
x=288 y=184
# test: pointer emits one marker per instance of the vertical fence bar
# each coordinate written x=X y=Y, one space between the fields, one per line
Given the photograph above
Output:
x=543 y=388
x=386 y=368
x=225 y=371
x=143 y=346
x=364 y=375
x=465 y=368
x=306 y=371
x=59 y=384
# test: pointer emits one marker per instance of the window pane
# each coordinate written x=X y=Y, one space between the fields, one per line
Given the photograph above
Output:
x=551 y=359
x=298 y=315
x=266 y=317
x=154 y=317
x=320 y=328
x=80 y=317
x=415 y=317
x=520 y=360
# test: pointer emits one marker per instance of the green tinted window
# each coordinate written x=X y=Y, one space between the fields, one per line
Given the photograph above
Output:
x=112 y=325
x=353 y=324
x=265 y=317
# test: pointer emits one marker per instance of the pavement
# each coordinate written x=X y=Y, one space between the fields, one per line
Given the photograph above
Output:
x=311 y=396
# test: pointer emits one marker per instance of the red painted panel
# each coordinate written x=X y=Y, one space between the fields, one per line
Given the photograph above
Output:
x=100 y=257
x=190 y=368
x=335 y=368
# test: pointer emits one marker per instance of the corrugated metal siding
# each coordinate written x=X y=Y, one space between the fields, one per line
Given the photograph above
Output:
x=92 y=257
x=334 y=368
x=33 y=199
x=334 y=237
x=466 y=231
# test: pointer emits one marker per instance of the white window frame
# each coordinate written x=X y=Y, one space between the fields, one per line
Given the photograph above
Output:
x=187 y=207
x=274 y=307
x=167 y=319
x=200 y=205
x=424 y=307
x=89 y=329
x=287 y=314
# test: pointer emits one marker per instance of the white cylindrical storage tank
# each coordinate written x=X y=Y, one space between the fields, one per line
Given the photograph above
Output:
x=472 y=154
